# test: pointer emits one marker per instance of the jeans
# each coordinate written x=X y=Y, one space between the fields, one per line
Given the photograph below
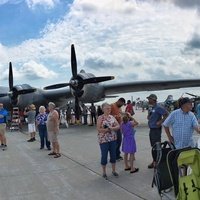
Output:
x=43 y=136
x=85 y=119
x=93 y=118
x=118 y=145
x=105 y=148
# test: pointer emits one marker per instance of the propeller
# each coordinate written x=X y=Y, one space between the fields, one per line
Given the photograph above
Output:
x=193 y=95
x=77 y=82
x=15 y=91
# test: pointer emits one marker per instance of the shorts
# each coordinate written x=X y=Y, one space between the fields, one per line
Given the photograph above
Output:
x=31 y=128
x=3 y=128
x=155 y=135
x=52 y=136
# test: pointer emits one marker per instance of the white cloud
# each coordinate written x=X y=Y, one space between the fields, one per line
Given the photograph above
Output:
x=10 y=1
x=46 y=3
x=35 y=71
x=127 y=37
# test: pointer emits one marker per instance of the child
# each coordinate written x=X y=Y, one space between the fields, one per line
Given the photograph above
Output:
x=129 y=144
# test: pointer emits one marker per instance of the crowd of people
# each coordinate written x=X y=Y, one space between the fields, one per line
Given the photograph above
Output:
x=47 y=124
x=116 y=129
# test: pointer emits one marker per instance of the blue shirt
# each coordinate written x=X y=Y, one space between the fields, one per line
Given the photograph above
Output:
x=182 y=124
x=41 y=118
x=198 y=111
x=3 y=112
x=155 y=115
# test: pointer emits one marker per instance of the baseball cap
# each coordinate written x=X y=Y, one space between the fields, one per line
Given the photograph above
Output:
x=184 y=100
x=152 y=96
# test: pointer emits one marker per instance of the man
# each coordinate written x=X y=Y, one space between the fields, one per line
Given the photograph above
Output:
x=93 y=114
x=53 y=129
x=116 y=112
x=156 y=117
x=31 y=114
x=85 y=114
x=3 y=114
x=198 y=112
x=183 y=123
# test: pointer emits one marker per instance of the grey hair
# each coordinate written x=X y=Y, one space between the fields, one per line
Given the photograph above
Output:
x=105 y=104
x=52 y=104
x=42 y=107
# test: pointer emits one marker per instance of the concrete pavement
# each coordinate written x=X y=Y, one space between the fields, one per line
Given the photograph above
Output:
x=28 y=173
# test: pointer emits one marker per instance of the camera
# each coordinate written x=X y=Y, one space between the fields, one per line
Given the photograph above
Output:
x=105 y=126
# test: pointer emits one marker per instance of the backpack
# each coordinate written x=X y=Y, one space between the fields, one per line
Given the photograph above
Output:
x=189 y=175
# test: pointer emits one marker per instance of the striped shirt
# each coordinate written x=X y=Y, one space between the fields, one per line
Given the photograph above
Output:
x=182 y=124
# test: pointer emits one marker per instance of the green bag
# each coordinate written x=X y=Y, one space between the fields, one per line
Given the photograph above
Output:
x=189 y=175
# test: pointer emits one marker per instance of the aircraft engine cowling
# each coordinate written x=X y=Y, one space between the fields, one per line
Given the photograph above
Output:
x=18 y=90
x=92 y=93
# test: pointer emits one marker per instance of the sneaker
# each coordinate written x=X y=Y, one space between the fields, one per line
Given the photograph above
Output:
x=4 y=147
x=115 y=174
x=151 y=166
x=105 y=176
x=120 y=158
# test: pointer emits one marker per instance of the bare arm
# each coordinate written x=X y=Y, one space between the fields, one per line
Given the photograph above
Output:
x=56 y=121
x=159 y=123
x=134 y=123
x=167 y=131
x=116 y=127
x=101 y=129
x=197 y=129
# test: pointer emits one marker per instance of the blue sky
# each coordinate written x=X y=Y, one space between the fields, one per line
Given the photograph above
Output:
x=21 y=21
x=133 y=40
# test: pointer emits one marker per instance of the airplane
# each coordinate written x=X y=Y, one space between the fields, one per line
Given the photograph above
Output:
x=83 y=86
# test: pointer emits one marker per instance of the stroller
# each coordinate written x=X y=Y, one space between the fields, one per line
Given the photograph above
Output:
x=184 y=168
x=161 y=177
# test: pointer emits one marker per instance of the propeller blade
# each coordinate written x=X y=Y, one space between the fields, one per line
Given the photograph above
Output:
x=3 y=95
x=56 y=86
x=193 y=95
x=77 y=108
x=98 y=79
x=10 y=77
x=73 y=61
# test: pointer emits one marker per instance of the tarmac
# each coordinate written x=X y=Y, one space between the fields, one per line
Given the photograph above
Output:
x=28 y=173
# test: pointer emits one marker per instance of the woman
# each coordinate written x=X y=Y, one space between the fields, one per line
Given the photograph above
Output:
x=41 y=120
x=106 y=127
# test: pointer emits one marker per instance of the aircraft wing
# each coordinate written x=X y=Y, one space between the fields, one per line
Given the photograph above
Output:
x=139 y=86
x=39 y=97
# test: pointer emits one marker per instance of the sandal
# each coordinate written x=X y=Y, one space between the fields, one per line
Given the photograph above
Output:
x=135 y=170
x=127 y=169
x=52 y=154
x=57 y=155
